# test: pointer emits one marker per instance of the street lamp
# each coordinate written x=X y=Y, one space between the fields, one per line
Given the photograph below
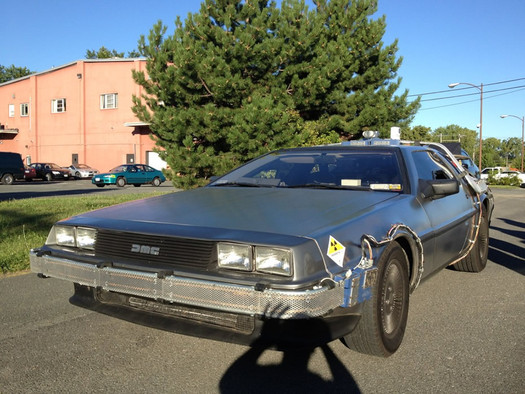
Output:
x=480 y=88
x=522 y=133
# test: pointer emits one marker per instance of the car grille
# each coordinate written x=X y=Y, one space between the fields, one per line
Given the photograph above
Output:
x=154 y=249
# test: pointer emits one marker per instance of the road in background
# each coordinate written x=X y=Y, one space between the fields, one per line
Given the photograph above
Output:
x=464 y=335
x=21 y=189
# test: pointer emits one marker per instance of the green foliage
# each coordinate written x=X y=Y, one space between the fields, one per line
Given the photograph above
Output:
x=455 y=133
x=416 y=133
x=105 y=53
x=504 y=181
x=24 y=224
x=242 y=77
x=13 y=72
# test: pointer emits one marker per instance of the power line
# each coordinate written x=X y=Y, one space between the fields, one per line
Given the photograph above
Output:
x=470 y=101
x=465 y=88
x=473 y=94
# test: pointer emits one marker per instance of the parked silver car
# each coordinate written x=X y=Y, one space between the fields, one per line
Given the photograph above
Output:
x=80 y=171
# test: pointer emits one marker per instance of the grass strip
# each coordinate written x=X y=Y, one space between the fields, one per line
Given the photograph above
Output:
x=25 y=224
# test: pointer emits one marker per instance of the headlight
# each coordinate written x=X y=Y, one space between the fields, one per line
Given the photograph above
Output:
x=79 y=237
x=235 y=256
x=65 y=236
x=86 y=237
x=273 y=261
x=259 y=258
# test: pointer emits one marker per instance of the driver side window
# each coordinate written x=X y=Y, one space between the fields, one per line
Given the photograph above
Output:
x=430 y=166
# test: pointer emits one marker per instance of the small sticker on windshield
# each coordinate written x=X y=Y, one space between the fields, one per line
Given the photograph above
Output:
x=336 y=251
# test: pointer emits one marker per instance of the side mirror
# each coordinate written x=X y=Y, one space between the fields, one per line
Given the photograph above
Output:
x=438 y=188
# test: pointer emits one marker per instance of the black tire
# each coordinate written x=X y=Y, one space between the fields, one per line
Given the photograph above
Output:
x=101 y=185
x=476 y=260
x=384 y=317
x=156 y=181
x=121 y=182
x=77 y=175
x=8 y=179
x=49 y=177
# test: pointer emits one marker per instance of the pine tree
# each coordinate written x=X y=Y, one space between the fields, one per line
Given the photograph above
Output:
x=242 y=77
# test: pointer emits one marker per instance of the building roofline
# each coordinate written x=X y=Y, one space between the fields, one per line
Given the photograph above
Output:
x=115 y=59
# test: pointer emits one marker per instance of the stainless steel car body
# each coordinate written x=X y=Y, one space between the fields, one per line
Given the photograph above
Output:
x=135 y=264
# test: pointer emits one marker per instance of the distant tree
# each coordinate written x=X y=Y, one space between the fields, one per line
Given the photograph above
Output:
x=510 y=150
x=13 y=72
x=468 y=138
x=242 y=77
x=104 y=53
x=416 y=133
x=491 y=153
x=134 y=53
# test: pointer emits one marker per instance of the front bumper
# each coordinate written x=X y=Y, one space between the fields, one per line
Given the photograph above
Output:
x=240 y=299
x=97 y=180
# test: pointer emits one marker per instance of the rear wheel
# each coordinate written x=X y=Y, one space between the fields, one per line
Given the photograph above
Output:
x=121 y=182
x=381 y=328
x=8 y=179
x=78 y=175
x=476 y=260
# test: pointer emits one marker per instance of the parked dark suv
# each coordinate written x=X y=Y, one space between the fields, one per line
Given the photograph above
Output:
x=11 y=167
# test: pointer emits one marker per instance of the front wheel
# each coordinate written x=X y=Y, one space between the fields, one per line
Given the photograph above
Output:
x=384 y=317
x=8 y=179
x=121 y=182
x=100 y=185
x=156 y=181
x=49 y=177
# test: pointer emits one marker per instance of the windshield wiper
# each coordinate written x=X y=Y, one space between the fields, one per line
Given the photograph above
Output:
x=327 y=186
x=241 y=184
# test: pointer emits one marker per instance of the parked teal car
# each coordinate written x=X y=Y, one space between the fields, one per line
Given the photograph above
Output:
x=134 y=174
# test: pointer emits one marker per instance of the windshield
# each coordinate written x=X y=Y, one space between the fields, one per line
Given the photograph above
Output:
x=119 y=169
x=377 y=170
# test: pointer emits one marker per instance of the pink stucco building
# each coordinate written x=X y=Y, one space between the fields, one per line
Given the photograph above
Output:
x=77 y=113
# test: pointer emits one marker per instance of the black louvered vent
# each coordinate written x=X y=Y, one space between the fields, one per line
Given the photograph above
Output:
x=177 y=252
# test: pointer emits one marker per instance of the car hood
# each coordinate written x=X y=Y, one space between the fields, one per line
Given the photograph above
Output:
x=294 y=212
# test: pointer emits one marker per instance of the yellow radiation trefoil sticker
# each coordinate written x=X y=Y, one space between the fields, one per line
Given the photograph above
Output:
x=336 y=251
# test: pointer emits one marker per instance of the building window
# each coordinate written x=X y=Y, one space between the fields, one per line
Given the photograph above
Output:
x=24 y=109
x=11 y=110
x=109 y=101
x=58 y=105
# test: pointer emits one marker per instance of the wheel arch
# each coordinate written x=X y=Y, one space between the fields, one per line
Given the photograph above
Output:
x=409 y=242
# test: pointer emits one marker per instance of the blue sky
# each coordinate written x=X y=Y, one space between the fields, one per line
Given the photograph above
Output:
x=441 y=42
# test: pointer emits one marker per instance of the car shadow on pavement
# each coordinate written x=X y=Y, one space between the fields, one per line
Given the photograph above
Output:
x=290 y=376
x=508 y=255
x=248 y=374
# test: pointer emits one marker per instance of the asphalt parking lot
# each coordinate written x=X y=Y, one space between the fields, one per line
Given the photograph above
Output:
x=34 y=189
x=464 y=335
